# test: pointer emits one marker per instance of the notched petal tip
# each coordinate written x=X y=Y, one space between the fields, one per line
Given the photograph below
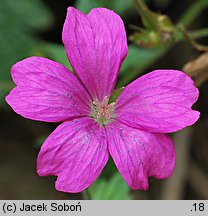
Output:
x=12 y=100
x=7 y=99
x=196 y=115
x=62 y=188
x=96 y=46
x=139 y=155
x=47 y=91
x=164 y=98
x=142 y=185
x=76 y=152
x=43 y=172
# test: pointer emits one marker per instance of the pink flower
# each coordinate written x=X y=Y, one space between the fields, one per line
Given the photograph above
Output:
x=132 y=130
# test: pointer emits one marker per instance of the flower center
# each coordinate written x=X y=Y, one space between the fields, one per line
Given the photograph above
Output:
x=102 y=112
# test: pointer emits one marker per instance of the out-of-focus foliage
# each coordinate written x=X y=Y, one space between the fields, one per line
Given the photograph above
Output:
x=115 y=94
x=137 y=60
x=197 y=69
x=158 y=29
x=40 y=140
x=119 y=7
x=193 y=11
x=18 y=20
x=113 y=189
x=57 y=53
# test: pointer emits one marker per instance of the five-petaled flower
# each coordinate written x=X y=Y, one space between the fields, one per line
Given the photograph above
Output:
x=132 y=129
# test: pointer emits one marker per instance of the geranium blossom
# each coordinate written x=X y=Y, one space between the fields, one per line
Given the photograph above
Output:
x=131 y=129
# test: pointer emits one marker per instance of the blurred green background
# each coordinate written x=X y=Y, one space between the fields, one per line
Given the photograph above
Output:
x=33 y=27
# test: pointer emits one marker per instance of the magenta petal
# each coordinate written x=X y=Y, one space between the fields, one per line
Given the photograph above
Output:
x=76 y=152
x=159 y=101
x=139 y=154
x=47 y=91
x=96 y=46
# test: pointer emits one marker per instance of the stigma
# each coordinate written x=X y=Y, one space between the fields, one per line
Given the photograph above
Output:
x=102 y=112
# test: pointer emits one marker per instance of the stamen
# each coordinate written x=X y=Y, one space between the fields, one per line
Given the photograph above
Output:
x=102 y=111
x=107 y=114
x=97 y=103
x=105 y=101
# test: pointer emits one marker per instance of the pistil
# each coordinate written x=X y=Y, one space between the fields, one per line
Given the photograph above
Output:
x=102 y=111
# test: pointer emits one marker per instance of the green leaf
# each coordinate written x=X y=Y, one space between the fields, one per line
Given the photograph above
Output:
x=119 y=7
x=113 y=189
x=57 y=53
x=194 y=10
x=32 y=13
x=18 y=20
x=5 y=87
x=137 y=60
x=39 y=141
x=115 y=94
